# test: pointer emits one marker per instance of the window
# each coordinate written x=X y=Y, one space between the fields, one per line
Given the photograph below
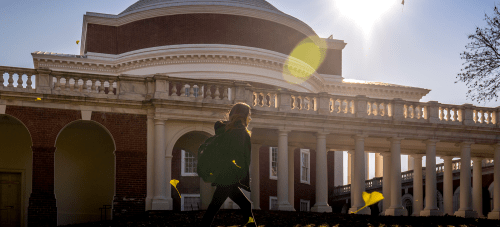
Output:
x=304 y=205
x=190 y=202
x=188 y=164
x=273 y=163
x=409 y=206
x=305 y=166
x=273 y=203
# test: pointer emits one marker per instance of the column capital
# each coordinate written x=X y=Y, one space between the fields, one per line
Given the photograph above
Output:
x=386 y=153
x=359 y=136
x=321 y=134
x=479 y=159
x=447 y=158
x=159 y=121
x=151 y=113
x=464 y=144
x=395 y=139
x=284 y=131
x=430 y=142
x=417 y=156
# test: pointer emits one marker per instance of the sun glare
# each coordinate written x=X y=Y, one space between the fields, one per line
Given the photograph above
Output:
x=365 y=12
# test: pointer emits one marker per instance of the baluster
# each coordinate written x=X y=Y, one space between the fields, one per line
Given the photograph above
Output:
x=20 y=80
x=75 y=84
x=28 y=83
x=418 y=112
x=454 y=117
x=111 y=89
x=381 y=109
x=191 y=90
x=448 y=114
x=475 y=115
x=93 y=88
x=351 y=107
x=67 y=86
x=482 y=116
x=209 y=92
x=101 y=86
x=2 y=80
x=260 y=99
x=307 y=103
x=174 y=88
x=375 y=109
x=272 y=101
x=224 y=93
x=217 y=93
x=58 y=81
x=338 y=105
x=85 y=85
x=200 y=92
x=183 y=89
x=488 y=117
x=10 y=80
x=368 y=108
x=255 y=98
x=405 y=111
x=441 y=113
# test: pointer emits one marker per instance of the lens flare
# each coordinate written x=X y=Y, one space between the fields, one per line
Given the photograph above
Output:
x=312 y=52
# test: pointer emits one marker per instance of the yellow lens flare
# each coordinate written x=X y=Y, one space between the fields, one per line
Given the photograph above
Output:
x=370 y=199
x=174 y=182
x=234 y=161
x=77 y=42
x=38 y=99
x=304 y=60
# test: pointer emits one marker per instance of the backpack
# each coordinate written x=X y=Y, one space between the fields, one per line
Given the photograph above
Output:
x=207 y=157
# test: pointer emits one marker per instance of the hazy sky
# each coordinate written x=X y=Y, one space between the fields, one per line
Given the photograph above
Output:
x=418 y=44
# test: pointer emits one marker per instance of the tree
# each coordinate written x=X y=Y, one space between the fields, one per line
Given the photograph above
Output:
x=482 y=61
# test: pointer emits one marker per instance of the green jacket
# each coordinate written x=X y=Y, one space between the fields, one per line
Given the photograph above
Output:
x=238 y=148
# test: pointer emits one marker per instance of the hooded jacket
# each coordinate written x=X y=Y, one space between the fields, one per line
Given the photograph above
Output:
x=237 y=147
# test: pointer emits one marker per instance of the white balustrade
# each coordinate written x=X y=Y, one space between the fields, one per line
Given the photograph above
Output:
x=72 y=84
x=303 y=102
x=265 y=99
x=342 y=106
x=198 y=90
x=484 y=116
x=415 y=111
x=23 y=79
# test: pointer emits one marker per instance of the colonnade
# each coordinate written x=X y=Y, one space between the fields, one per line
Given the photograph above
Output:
x=392 y=204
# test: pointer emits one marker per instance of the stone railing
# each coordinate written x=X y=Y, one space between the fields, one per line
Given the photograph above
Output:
x=159 y=86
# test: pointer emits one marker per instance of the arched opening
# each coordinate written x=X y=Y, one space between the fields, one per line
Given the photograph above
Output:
x=84 y=169
x=194 y=192
x=407 y=201
x=16 y=158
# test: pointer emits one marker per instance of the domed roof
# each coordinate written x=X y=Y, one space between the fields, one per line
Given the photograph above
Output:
x=151 y=4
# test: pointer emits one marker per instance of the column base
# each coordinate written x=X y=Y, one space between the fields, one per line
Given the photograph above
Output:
x=365 y=210
x=400 y=211
x=285 y=207
x=162 y=204
x=427 y=213
x=466 y=213
x=321 y=209
x=494 y=215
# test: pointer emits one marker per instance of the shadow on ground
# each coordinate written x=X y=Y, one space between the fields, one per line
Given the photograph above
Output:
x=233 y=218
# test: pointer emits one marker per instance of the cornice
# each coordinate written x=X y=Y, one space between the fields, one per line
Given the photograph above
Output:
x=377 y=90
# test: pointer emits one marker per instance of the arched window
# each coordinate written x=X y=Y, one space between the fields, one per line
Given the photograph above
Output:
x=409 y=206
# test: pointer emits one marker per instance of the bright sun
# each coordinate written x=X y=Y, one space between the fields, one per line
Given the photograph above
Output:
x=365 y=12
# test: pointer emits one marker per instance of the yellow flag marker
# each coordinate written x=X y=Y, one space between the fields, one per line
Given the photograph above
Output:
x=78 y=41
x=250 y=220
x=370 y=199
x=38 y=99
x=234 y=161
x=174 y=182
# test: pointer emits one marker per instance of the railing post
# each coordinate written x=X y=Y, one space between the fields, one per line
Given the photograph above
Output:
x=360 y=106
x=284 y=100
x=398 y=109
x=323 y=103
x=161 y=86
x=497 y=116
x=467 y=114
x=44 y=81
x=242 y=94
x=433 y=112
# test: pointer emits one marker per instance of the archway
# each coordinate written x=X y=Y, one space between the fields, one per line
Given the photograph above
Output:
x=84 y=169
x=16 y=158
x=407 y=201
x=195 y=193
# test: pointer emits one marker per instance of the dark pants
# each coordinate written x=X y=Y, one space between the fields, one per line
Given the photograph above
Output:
x=220 y=195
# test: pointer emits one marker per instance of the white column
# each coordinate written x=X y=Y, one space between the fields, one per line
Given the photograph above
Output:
x=338 y=167
x=448 y=185
x=255 y=177
x=411 y=163
x=283 y=203
x=465 y=206
x=359 y=176
x=477 y=186
x=386 y=181
x=150 y=159
x=418 y=197
x=161 y=200
x=367 y=165
x=349 y=167
x=321 y=204
x=495 y=213
x=291 y=174
x=350 y=174
x=431 y=208
x=396 y=208
x=379 y=165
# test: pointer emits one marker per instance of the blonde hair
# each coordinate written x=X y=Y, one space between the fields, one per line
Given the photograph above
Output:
x=239 y=113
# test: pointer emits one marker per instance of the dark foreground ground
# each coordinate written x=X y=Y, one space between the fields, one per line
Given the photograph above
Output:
x=233 y=218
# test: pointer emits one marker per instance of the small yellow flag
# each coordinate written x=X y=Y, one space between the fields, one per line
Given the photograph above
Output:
x=38 y=99
x=370 y=199
x=78 y=41
x=250 y=220
x=234 y=161
x=174 y=182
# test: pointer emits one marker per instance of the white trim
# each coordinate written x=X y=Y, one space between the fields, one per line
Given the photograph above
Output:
x=308 y=152
x=271 y=198
x=188 y=195
x=308 y=205
x=271 y=164
x=183 y=164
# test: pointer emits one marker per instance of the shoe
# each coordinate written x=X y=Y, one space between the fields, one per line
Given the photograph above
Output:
x=250 y=223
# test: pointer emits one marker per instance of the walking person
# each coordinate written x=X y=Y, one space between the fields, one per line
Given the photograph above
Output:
x=233 y=173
